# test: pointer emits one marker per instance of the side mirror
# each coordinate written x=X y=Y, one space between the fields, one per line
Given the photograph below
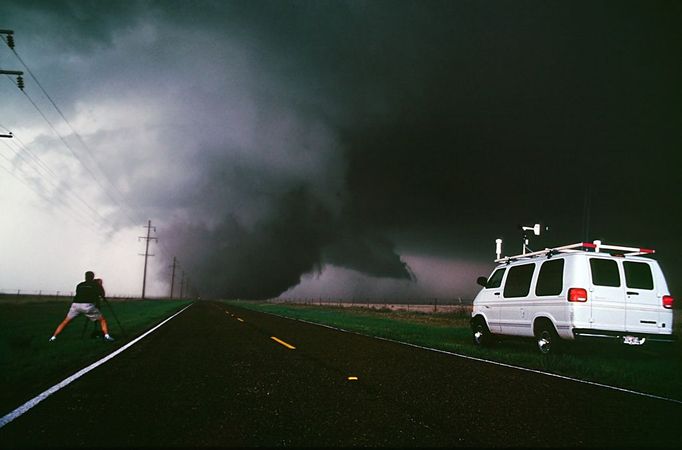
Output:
x=483 y=281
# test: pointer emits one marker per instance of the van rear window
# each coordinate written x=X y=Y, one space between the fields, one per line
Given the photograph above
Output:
x=518 y=281
x=604 y=272
x=551 y=278
x=638 y=275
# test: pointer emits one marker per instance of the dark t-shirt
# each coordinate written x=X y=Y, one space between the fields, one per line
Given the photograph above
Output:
x=88 y=292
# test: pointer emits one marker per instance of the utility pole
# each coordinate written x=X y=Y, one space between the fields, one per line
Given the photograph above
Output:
x=182 y=283
x=20 y=80
x=9 y=39
x=149 y=228
x=173 y=277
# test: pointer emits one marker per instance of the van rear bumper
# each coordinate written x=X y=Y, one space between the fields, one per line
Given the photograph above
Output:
x=588 y=333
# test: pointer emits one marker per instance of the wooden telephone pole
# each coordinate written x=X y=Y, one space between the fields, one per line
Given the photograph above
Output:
x=175 y=263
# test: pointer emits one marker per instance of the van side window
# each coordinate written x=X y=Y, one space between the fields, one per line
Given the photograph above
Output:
x=604 y=272
x=518 y=280
x=638 y=275
x=551 y=278
x=495 y=279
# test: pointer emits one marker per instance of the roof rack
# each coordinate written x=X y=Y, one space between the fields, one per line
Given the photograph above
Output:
x=595 y=247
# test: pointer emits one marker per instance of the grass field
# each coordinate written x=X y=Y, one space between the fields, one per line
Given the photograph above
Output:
x=655 y=369
x=30 y=364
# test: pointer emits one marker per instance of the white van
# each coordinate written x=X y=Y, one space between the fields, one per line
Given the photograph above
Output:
x=583 y=290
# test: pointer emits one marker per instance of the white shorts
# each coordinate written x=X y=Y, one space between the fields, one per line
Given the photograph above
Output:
x=88 y=309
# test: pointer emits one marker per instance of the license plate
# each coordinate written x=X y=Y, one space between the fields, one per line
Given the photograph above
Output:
x=633 y=340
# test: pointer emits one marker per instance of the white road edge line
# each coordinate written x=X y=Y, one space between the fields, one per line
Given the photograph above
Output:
x=473 y=358
x=40 y=397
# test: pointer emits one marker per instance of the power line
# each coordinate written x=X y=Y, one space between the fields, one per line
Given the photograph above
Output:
x=25 y=148
x=55 y=186
x=57 y=183
x=41 y=194
x=118 y=202
x=9 y=40
x=66 y=144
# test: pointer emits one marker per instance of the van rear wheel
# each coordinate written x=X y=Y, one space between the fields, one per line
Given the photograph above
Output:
x=547 y=339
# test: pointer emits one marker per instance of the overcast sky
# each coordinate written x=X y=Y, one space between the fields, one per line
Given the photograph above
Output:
x=331 y=148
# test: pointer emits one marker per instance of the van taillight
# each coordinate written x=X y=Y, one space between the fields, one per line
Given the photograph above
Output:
x=577 y=295
x=668 y=301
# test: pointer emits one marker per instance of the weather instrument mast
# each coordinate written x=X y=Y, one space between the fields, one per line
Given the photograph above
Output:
x=524 y=240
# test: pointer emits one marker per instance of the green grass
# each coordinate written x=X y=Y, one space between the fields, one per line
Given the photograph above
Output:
x=654 y=369
x=29 y=363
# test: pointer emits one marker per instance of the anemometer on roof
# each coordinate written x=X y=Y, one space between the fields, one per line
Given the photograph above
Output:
x=536 y=229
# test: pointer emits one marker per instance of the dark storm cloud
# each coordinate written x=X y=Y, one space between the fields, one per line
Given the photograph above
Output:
x=348 y=133
x=79 y=26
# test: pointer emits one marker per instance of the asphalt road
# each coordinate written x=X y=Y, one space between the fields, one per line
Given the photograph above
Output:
x=213 y=376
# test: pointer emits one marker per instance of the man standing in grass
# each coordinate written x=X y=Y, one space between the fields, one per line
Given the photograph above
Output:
x=87 y=296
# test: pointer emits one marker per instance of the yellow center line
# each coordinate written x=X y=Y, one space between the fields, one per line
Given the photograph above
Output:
x=289 y=346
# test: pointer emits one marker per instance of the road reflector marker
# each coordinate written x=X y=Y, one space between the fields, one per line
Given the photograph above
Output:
x=289 y=346
x=352 y=378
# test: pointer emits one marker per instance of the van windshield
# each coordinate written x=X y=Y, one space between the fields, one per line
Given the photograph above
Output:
x=495 y=279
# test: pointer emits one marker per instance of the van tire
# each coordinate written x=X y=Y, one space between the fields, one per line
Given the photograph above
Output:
x=480 y=333
x=546 y=338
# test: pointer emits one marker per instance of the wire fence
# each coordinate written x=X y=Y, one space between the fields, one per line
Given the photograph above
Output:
x=35 y=293
x=52 y=294
x=434 y=305
x=437 y=305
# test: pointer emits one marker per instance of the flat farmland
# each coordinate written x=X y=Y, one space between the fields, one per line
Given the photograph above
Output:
x=219 y=375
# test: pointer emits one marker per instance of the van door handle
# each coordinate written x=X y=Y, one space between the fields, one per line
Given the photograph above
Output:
x=632 y=293
x=497 y=293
